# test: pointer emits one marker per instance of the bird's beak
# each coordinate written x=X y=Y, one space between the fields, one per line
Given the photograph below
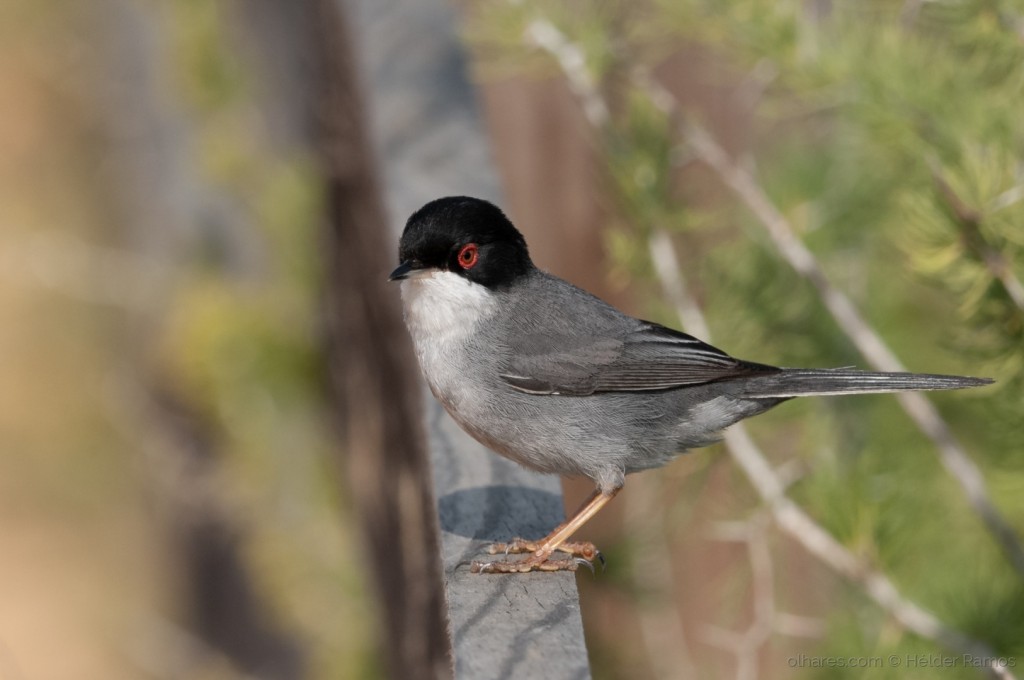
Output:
x=403 y=271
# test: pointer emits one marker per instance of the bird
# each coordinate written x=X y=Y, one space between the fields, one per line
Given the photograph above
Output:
x=559 y=381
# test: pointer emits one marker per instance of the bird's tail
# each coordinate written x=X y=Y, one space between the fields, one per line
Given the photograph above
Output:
x=791 y=382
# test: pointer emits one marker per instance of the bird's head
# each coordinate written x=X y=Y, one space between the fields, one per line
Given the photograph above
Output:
x=464 y=236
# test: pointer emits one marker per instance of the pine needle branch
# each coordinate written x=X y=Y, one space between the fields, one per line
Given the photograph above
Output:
x=870 y=344
x=969 y=221
x=792 y=519
x=922 y=411
x=787 y=514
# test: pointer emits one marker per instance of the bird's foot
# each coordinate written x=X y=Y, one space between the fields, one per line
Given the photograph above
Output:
x=534 y=562
x=518 y=546
x=540 y=557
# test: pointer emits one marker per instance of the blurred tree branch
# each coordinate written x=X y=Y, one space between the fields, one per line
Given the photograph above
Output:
x=871 y=345
x=571 y=59
x=227 y=610
x=969 y=220
x=791 y=518
x=372 y=370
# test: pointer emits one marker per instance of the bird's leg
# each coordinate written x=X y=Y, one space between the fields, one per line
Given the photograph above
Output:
x=540 y=559
x=519 y=546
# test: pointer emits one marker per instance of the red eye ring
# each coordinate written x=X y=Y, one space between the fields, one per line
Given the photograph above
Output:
x=468 y=255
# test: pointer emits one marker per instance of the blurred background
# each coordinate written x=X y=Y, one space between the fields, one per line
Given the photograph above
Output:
x=174 y=496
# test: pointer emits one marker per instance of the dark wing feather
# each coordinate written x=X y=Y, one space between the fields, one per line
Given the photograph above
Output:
x=648 y=357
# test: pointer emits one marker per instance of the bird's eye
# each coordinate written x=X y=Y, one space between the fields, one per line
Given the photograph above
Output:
x=468 y=256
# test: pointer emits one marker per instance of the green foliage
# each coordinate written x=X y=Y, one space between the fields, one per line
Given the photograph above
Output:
x=890 y=136
x=242 y=337
x=640 y=161
x=211 y=76
x=964 y=237
x=497 y=28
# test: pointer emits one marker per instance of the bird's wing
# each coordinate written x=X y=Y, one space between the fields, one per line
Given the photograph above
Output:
x=648 y=357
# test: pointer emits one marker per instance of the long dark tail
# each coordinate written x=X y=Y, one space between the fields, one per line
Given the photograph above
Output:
x=800 y=382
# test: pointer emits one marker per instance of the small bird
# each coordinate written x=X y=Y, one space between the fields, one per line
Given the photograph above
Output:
x=560 y=382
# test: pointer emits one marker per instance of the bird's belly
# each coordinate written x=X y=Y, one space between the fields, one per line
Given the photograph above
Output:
x=598 y=436
x=508 y=423
x=469 y=404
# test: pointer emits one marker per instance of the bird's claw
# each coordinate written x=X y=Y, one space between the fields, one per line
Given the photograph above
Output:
x=539 y=559
x=525 y=566
x=519 y=546
x=586 y=563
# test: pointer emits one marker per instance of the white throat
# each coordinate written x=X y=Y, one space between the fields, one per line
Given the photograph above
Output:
x=442 y=308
